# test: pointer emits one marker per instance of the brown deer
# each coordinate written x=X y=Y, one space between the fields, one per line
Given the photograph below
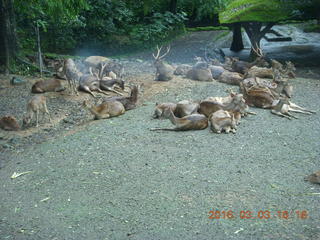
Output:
x=164 y=71
x=93 y=82
x=223 y=120
x=242 y=66
x=237 y=103
x=130 y=102
x=232 y=78
x=182 y=69
x=160 y=108
x=50 y=85
x=283 y=107
x=261 y=72
x=186 y=107
x=9 y=123
x=190 y=122
x=313 y=178
x=105 y=110
x=200 y=74
x=36 y=105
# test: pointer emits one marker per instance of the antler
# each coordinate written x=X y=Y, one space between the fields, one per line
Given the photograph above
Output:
x=158 y=57
x=258 y=50
x=103 y=65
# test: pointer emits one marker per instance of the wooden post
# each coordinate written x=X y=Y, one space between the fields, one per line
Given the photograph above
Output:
x=39 y=49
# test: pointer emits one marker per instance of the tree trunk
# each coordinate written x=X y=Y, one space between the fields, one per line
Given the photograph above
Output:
x=173 y=6
x=256 y=33
x=8 y=37
x=237 y=43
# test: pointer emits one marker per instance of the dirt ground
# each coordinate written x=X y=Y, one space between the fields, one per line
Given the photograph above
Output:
x=115 y=179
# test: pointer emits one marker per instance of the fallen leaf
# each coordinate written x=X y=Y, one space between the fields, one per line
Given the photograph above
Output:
x=15 y=174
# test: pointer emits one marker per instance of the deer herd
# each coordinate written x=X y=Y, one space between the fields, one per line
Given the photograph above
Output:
x=262 y=84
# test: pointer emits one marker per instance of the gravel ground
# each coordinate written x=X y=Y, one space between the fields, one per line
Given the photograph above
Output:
x=115 y=179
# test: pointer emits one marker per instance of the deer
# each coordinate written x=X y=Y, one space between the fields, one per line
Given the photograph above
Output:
x=164 y=71
x=223 y=120
x=313 y=178
x=72 y=74
x=182 y=69
x=9 y=123
x=283 y=107
x=200 y=71
x=160 y=108
x=186 y=107
x=190 y=122
x=130 y=102
x=92 y=82
x=105 y=110
x=261 y=72
x=36 y=105
x=242 y=66
x=237 y=103
x=50 y=85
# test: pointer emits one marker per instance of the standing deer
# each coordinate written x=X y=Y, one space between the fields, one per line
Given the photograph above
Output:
x=164 y=71
x=72 y=74
x=36 y=105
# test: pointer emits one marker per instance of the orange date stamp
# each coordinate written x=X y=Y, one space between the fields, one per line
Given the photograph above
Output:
x=260 y=214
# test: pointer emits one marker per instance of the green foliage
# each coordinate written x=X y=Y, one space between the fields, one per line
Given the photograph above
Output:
x=254 y=11
x=158 y=29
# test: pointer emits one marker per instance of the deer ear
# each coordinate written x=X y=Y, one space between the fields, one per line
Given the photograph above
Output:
x=157 y=104
x=232 y=94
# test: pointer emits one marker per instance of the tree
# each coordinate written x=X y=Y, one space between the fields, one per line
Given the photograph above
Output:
x=32 y=12
x=257 y=17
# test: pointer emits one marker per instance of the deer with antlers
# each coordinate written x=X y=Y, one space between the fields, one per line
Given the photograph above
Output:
x=96 y=81
x=164 y=71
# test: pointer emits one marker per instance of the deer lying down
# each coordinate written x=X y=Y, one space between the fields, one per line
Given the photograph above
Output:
x=50 y=85
x=222 y=120
x=130 y=102
x=89 y=83
x=190 y=122
x=105 y=110
x=237 y=103
x=9 y=123
x=36 y=105
x=160 y=108
x=186 y=107
x=313 y=178
x=164 y=71
x=283 y=106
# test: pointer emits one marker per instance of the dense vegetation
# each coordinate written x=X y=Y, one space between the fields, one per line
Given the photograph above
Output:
x=116 y=26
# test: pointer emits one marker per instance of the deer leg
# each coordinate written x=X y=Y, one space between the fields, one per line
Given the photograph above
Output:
x=115 y=91
x=280 y=114
x=37 y=118
x=100 y=91
x=299 y=111
x=296 y=107
x=47 y=112
x=290 y=115
x=87 y=89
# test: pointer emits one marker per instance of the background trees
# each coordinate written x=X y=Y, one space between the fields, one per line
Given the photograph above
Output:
x=116 y=26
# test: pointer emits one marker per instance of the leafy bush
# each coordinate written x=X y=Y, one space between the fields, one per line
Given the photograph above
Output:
x=158 y=29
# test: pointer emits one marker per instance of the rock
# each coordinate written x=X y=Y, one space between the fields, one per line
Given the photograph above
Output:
x=17 y=81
